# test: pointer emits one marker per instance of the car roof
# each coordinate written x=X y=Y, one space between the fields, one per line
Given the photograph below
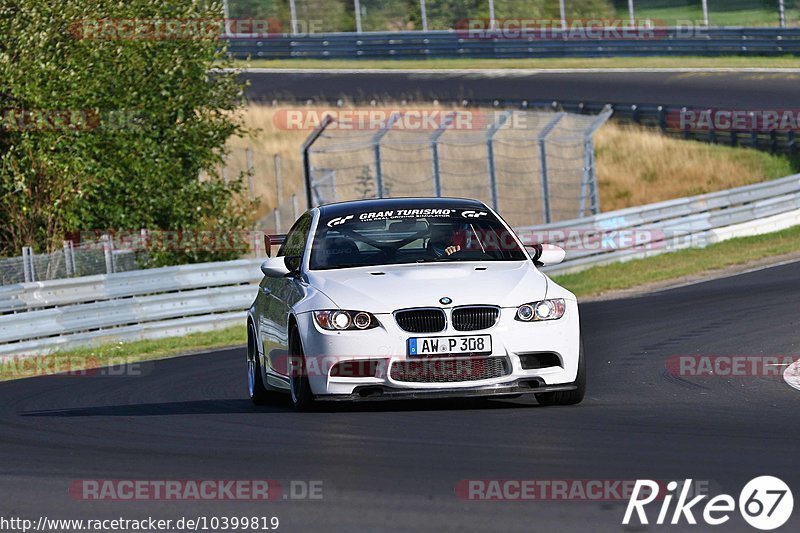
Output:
x=380 y=204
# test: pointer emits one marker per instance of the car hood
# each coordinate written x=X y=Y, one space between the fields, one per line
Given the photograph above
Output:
x=384 y=289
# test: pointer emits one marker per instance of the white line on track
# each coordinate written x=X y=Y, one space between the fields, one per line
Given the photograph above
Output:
x=513 y=71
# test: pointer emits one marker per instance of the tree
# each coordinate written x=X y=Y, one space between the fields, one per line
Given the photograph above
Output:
x=110 y=115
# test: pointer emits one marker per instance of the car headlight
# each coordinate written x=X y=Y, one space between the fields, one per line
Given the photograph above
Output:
x=543 y=310
x=339 y=320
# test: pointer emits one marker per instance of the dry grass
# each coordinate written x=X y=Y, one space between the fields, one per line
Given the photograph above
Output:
x=635 y=166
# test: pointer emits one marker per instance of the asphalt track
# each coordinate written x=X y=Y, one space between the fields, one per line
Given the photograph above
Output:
x=746 y=90
x=394 y=466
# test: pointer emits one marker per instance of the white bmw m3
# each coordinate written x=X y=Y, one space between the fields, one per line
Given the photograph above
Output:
x=411 y=298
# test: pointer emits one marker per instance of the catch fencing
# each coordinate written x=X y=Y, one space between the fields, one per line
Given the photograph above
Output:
x=40 y=317
x=529 y=165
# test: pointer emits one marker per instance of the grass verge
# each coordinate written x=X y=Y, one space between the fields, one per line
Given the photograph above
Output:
x=604 y=63
x=80 y=360
x=676 y=265
x=591 y=282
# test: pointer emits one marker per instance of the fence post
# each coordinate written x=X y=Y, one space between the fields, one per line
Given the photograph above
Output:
x=589 y=170
x=357 y=9
x=69 y=259
x=304 y=150
x=248 y=154
x=376 y=147
x=293 y=16
x=108 y=253
x=782 y=13
x=542 y=139
x=705 y=13
x=631 y=13
x=294 y=207
x=278 y=179
x=27 y=264
x=277 y=214
x=423 y=11
x=225 y=169
x=437 y=178
x=490 y=151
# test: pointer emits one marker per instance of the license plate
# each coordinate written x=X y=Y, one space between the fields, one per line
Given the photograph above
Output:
x=473 y=344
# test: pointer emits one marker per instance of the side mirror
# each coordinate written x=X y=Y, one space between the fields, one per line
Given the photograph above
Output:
x=274 y=267
x=547 y=254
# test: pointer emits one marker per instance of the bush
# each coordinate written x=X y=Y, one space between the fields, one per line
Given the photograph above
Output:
x=116 y=130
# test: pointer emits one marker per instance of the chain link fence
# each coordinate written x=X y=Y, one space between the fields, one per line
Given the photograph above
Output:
x=531 y=166
x=319 y=16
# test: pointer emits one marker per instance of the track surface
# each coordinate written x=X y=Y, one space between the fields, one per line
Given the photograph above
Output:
x=394 y=466
x=729 y=90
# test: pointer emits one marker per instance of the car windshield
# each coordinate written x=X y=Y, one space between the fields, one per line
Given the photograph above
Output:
x=401 y=236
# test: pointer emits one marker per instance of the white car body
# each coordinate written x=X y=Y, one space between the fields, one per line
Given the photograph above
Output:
x=541 y=357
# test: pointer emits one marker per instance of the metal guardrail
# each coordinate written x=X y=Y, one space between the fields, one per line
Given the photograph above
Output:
x=455 y=43
x=40 y=317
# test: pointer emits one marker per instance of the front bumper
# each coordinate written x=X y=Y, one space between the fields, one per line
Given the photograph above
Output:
x=376 y=393
x=510 y=339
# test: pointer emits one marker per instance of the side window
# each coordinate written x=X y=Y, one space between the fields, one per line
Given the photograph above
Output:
x=295 y=241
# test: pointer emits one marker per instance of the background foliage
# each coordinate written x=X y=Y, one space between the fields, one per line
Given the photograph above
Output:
x=155 y=119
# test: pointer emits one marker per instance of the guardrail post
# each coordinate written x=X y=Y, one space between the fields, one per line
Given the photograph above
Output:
x=376 y=147
x=542 y=140
x=496 y=125
x=307 y=146
x=108 y=253
x=27 y=264
x=69 y=259
x=434 y=140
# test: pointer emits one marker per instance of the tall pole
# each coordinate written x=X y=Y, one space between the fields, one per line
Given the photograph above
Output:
x=293 y=15
x=562 y=5
x=423 y=12
x=782 y=12
x=491 y=14
x=357 y=9
x=705 y=12
x=631 y=13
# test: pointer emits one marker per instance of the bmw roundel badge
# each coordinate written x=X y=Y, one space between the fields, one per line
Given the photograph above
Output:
x=445 y=301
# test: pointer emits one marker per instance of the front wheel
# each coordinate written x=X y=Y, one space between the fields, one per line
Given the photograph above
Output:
x=302 y=397
x=568 y=397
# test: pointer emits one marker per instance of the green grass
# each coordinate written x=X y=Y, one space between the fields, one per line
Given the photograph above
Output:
x=121 y=353
x=752 y=16
x=739 y=251
x=533 y=63
x=591 y=282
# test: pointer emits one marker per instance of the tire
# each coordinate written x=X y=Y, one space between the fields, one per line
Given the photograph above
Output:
x=568 y=397
x=259 y=394
x=302 y=397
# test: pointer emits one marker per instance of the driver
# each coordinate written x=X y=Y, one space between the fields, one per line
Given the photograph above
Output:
x=445 y=239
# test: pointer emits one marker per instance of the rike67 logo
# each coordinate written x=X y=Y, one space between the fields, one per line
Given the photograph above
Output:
x=765 y=503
